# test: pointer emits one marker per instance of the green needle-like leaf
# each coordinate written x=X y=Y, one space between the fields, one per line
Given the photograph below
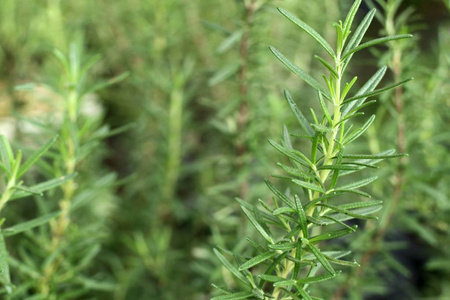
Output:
x=43 y=186
x=377 y=92
x=320 y=257
x=258 y=226
x=234 y=296
x=283 y=210
x=325 y=109
x=301 y=73
x=332 y=235
x=230 y=267
x=284 y=283
x=327 y=65
x=298 y=114
x=350 y=17
x=257 y=260
x=301 y=216
x=309 y=186
x=5 y=278
x=35 y=157
x=317 y=279
x=6 y=154
x=284 y=246
x=358 y=214
x=270 y=278
x=358 y=132
x=376 y=42
x=292 y=154
x=303 y=293
x=382 y=155
x=369 y=86
x=309 y=31
x=280 y=195
x=360 y=31
x=358 y=184
x=29 y=224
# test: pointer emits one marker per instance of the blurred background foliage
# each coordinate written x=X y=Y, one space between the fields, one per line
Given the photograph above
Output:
x=202 y=97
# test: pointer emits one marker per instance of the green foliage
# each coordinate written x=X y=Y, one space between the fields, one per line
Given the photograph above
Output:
x=131 y=197
x=12 y=170
x=299 y=227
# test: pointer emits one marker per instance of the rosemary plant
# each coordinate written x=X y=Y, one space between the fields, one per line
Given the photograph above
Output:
x=55 y=261
x=292 y=256
x=12 y=170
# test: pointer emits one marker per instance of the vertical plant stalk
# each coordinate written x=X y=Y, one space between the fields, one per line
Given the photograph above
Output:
x=174 y=145
x=329 y=154
x=68 y=150
x=296 y=258
x=380 y=231
x=243 y=91
x=70 y=162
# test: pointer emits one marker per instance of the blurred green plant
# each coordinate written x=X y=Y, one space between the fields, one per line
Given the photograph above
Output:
x=56 y=268
x=12 y=169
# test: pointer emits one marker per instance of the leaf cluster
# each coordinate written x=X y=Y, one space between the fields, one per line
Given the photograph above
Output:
x=289 y=262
